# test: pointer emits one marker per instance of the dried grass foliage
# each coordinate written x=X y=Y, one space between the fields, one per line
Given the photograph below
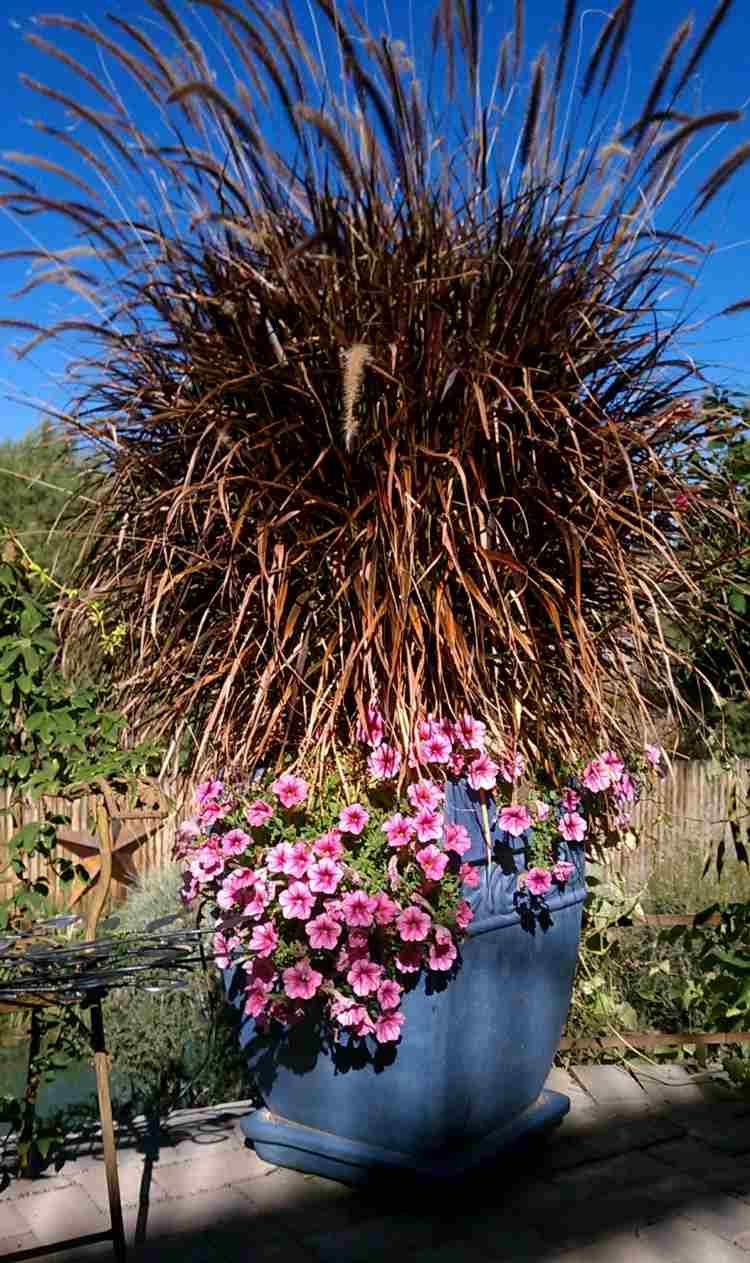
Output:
x=391 y=415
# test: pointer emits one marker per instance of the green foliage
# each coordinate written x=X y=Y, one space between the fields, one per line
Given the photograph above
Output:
x=717 y=641
x=56 y=737
x=55 y=734
x=41 y=477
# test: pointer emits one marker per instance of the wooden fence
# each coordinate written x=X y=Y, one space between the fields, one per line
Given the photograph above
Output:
x=689 y=814
x=154 y=851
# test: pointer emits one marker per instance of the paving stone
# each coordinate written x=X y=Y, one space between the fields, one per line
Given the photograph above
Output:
x=690 y=1155
x=130 y=1179
x=727 y=1216
x=215 y=1210
x=19 y=1189
x=615 y=1247
x=308 y=1204
x=625 y=1171
x=393 y=1236
x=721 y=1131
x=61 y=1213
x=670 y=1084
x=13 y=1227
x=611 y=1085
x=563 y=1081
x=587 y=1218
x=205 y=1171
x=523 y=1249
x=499 y=1236
x=681 y=1241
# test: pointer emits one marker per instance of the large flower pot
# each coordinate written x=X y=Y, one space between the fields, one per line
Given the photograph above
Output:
x=466 y=1079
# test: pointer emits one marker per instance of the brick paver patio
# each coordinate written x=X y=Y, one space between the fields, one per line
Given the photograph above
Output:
x=650 y=1165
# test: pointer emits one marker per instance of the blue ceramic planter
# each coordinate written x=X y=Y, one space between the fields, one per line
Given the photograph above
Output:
x=466 y=1079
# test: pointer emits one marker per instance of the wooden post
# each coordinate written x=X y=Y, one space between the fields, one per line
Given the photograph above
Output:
x=101 y=1057
x=101 y=1067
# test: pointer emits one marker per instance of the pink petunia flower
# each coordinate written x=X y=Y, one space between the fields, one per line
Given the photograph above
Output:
x=350 y=1014
x=596 y=776
x=323 y=932
x=264 y=939
x=570 y=799
x=428 y=825
x=614 y=763
x=279 y=857
x=413 y=925
x=433 y=862
x=353 y=818
x=257 y=900
x=425 y=793
x=512 y=768
x=189 y=829
x=389 y=994
x=409 y=958
x=358 y=908
x=235 y=842
x=384 y=763
x=539 y=881
x=563 y=870
x=206 y=864
x=542 y=809
x=298 y=861
x=515 y=819
x=329 y=845
x=483 y=772
x=464 y=915
x=364 y=977
x=290 y=790
x=469 y=875
x=399 y=830
x=258 y=813
x=442 y=953
x=436 y=749
x=653 y=754
x=372 y=731
x=471 y=732
x=296 y=902
x=256 y=1000
x=212 y=812
x=572 y=826
x=301 y=981
x=386 y=909
x=456 y=838
x=324 y=876
x=209 y=791
x=223 y=948
x=239 y=881
x=388 y=1027
x=625 y=789
x=456 y=763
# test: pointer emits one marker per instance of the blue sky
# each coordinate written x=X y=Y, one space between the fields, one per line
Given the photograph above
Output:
x=722 y=344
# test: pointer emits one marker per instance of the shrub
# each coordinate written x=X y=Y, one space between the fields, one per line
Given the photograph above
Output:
x=172 y=1049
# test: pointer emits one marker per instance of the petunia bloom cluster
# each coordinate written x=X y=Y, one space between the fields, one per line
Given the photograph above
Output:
x=343 y=910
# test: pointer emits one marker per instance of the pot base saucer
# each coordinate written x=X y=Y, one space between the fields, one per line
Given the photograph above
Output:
x=286 y=1144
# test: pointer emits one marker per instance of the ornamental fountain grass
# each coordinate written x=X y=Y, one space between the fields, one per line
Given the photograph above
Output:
x=388 y=405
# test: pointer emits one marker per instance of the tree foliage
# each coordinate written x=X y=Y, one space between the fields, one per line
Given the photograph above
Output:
x=717 y=641
x=41 y=477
